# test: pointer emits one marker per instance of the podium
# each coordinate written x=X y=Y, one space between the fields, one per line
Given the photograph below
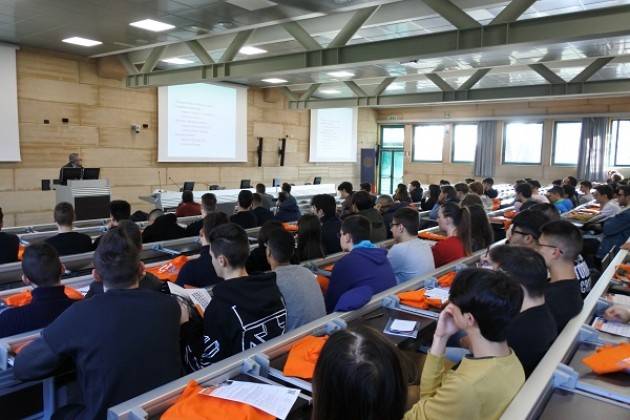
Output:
x=90 y=198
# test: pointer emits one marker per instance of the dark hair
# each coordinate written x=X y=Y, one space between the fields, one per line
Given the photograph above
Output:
x=209 y=202
x=481 y=233
x=358 y=227
x=451 y=194
x=245 y=198
x=444 y=182
x=469 y=180
x=524 y=189
x=187 y=196
x=616 y=177
x=461 y=187
x=286 y=187
x=402 y=194
x=588 y=184
x=213 y=220
x=1 y=217
x=548 y=209
x=260 y=188
x=476 y=187
x=117 y=259
x=434 y=191
x=230 y=240
x=569 y=191
x=362 y=200
x=556 y=182
x=325 y=203
x=309 y=238
x=282 y=196
x=489 y=181
x=492 y=298
x=556 y=190
x=385 y=201
x=366 y=186
x=415 y=183
x=572 y=181
x=359 y=376
x=471 y=200
x=119 y=210
x=256 y=198
x=132 y=231
x=281 y=245
x=409 y=218
x=605 y=190
x=528 y=204
x=530 y=221
x=345 y=186
x=625 y=189
x=41 y=265
x=534 y=183
x=461 y=220
x=524 y=265
x=64 y=214
x=565 y=236
x=266 y=230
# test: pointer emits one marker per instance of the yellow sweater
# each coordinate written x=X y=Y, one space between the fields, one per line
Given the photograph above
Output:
x=478 y=389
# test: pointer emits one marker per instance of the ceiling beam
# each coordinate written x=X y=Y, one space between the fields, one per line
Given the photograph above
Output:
x=200 y=52
x=356 y=89
x=152 y=59
x=439 y=82
x=310 y=91
x=383 y=85
x=476 y=95
x=592 y=24
x=288 y=93
x=591 y=69
x=239 y=40
x=456 y=16
x=546 y=73
x=472 y=80
x=354 y=24
x=512 y=11
x=130 y=68
x=299 y=33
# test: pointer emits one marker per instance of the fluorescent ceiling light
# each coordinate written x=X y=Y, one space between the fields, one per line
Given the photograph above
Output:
x=84 y=42
x=248 y=50
x=177 y=60
x=341 y=74
x=152 y=25
x=274 y=80
x=329 y=91
x=395 y=86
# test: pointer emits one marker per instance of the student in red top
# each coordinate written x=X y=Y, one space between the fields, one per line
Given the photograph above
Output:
x=188 y=207
x=455 y=221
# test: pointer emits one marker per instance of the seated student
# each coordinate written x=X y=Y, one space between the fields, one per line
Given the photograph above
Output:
x=483 y=385
x=42 y=269
x=118 y=354
x=616 y=229
x=302 y=294
x=286 y=188
x=345 y=192
x=536 y=196
x=9 y=244
x=367 y=187
x=365 y=264
x=364 y=206
x=447 y=195
x=410 y=257
x=401 y=195
x=556 y=197
x=461 y=190
x=556 y=182
x=162 y=227
x=288 y=210
x=387 y=207
x=67 y=242
x=490 y=192
x=444 y=182
x=267 y=199
x=325 y=208
x=119 y=210
x=608 y=208
x=481 y=233
x=262 y=214
x=244 y=216
x=257 y=260
x=359 y=376
x=245 y=311
x=534 y=329
x=455 y=221
x=476 y=188
x=523 y=193
x=188 y=207
x=199 y=272
x=429 y=202
x=415 y=191
x=560 y=244
x=585 y=189
x=569 y=184
x=208 y=205
x=309 y=239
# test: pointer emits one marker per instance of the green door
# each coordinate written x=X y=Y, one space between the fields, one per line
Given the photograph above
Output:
x=391 y=159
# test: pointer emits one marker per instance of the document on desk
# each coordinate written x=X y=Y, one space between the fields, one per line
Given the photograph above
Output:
x=612 y=327
x=273 y=399
x=200 y=298
x=437 y=293
x=618 y=299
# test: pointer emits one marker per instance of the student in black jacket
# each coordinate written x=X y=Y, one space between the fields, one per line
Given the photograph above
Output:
x=119 y=210
x=67 y=242
x=42 y=269
x=325 y=207
x=257 y=260
x=200 y=272
x=245 y=310
x=208 y=205
x=162 y=227
x=244 y=216
x=262 y=214
x=123 y=342
x=9 y=244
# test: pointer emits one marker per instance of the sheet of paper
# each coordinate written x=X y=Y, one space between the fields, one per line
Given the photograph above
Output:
x=84 y=290
x=401 y=325
x=437 y=293
x=619 y=299
x=273 y=399
x=177 y=290
x=612 y=327
x=200 y=298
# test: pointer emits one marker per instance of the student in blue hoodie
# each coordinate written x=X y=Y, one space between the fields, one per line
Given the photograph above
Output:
x=365 y=265
x=288 y=210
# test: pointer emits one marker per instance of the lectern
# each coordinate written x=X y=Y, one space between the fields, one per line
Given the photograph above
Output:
x=89 y=197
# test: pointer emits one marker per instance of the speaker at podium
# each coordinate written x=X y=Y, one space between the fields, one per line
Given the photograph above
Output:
x=89 y=195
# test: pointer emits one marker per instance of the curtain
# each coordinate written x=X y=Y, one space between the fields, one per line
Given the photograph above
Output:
x=485 y=159
x=592 y=155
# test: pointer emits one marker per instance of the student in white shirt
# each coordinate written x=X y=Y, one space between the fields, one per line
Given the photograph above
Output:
x=585 y=189
x=608 y=208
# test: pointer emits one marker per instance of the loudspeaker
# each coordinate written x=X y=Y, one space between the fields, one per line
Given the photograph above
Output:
x=259 y=151
x=281 y=151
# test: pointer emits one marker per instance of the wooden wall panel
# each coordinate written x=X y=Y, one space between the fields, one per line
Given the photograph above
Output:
x=56 y=91
x=34 y=111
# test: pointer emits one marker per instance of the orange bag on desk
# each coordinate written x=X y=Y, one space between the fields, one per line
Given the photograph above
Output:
x=324 y=280
x=303 y=357
x=290 y=228
x=21 y=250
x=446 y=280
x=192 y=405
x=431 y=236
x=169 y=270
x=509 y=214
x=418 y=299
x=24 y=298
x=609 y=359
x=496 y=204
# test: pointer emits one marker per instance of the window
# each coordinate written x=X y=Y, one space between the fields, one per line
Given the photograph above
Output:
x=566 y=142
x=428 y=141
x=464 y=142
x=522 y=143
x=393 y=136
x=621 y=142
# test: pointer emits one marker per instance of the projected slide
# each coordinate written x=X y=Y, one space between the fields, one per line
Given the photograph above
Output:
x=202 y=123
x=10 y=138
x=333 y=135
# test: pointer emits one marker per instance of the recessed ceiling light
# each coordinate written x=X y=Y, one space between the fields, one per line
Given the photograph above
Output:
x=329 y=91
x=274 y=80
x=152 y=25
x=395 y=86
x=341 y=74
x=177 y=60
x=84 y=42
x=248 y=50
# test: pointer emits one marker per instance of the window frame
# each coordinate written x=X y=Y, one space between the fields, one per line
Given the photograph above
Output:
x=453 y=125
x=504 y=141
x=553 y=144
x=413 y=142
x=384 y=126
x=616 y=142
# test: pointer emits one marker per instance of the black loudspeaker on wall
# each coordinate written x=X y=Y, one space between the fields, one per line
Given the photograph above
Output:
x=259 y=151
x=281 y=151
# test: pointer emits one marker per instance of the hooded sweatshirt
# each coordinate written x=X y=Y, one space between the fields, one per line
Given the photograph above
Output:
x=243 y=313
x=361 y=267
x=288 y=211
x=163 y=228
